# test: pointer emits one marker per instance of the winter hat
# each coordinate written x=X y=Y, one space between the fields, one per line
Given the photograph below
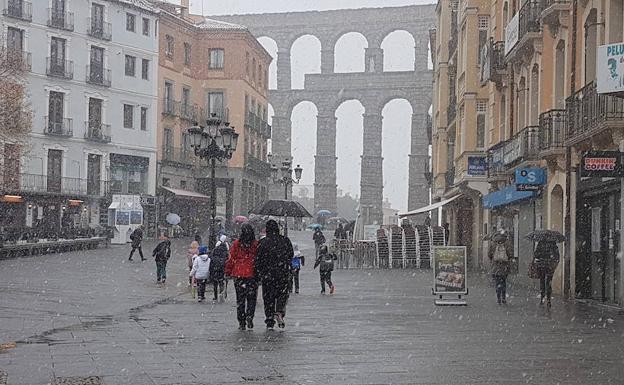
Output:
x=272 y=227
x=203 y=250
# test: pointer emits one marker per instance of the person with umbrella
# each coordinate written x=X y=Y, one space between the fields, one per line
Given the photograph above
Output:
x=273 y=264
x=137 y=237
x=500 y=254
x=319 y=239
x=340 y=232
x=545 y=260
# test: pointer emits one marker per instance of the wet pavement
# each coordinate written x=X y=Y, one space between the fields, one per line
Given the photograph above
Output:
x=94 y=318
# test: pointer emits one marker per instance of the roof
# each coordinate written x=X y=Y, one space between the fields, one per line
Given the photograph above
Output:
x=216 y=24
x=142 y=4
x=185 y=193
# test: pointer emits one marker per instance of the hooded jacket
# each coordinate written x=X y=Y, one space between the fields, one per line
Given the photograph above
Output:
x=275 y=252
x=241 y=262
x=201 y=267
x=217 y=262
x=162 y=252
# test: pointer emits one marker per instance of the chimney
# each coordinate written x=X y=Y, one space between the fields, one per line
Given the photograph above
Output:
x=184 y=5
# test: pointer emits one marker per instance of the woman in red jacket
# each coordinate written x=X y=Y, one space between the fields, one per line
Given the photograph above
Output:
x=240 y=265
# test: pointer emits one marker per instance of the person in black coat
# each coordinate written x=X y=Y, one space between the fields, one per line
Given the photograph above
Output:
x=546 y=259
x=217 y=268
x=161 y=254
x=326 y=261
x=319 y=239
x=273 y=264
x=137 y=237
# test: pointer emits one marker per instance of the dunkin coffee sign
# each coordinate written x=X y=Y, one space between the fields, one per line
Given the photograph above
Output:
x=605 y=164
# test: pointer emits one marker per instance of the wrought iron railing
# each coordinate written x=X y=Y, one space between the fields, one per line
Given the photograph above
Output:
x=99 y=29
x=60 y=68
x=178 y=155
x=550 y=3
x=98 y=132
x=552 y=129
x=521 y=147
x=587 y=112
x=60 y=19
x=188 y=111
x=498 y=57
x=58 y=127
x=529 y=19
x=18 y=9
x=258 y=166
x=171 y=107
x=18 y=59
x=98 y=75
x=60 y=185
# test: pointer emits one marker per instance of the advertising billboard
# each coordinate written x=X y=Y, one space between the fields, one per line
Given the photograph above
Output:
x=603 y=164
x=449 y=270
x=610 y=68
x=511 y=33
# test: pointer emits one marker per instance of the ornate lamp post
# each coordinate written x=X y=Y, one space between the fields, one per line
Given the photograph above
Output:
x=215 y=141
x=284 y=176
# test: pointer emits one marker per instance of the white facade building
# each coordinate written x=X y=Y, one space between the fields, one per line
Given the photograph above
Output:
x=93 y=91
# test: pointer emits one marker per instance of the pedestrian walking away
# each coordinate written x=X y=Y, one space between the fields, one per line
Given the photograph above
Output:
x=297 y=262
x=319 y=239
x=193 y=252
x=340 y=232
x=200 y=272
x=273 y=264
x=241 y=266
x=546 y=258
x=326 y=262
x=161 y=254
x=217 y=267
x=137 y=237
x=500 y=254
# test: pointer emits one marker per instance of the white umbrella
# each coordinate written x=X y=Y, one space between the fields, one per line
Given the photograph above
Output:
x=173 y=219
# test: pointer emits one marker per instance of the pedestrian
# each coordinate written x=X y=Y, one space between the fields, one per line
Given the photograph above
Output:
x=217 y=267
x=340 y=232
x=198 y=237
x=319 y=238
x=326 y=262
x=193 y=252
x=447 y=233
x=500 y=254
x=546 y=259
x=137 y=237
x=240 y=265
x=297 y=261
x=273 y=264
x=161 y=254
x=200 y=272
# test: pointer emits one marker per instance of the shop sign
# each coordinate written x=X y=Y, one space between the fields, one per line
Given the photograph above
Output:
x=610 y=68
x=603 y=164
x=477 y=165
x=530 y=179
x=511 y=33
x=449 y=270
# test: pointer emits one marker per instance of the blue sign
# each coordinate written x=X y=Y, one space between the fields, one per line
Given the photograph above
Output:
x=505 y=196
x=530 y=179
x=477 y=165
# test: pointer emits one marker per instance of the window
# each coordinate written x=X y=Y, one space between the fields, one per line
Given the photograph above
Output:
x=15 y=39
x=165 y=182
x=481 y=117
x=130 y=22
x=146 y=26
x=57 y=56
x=95 y=113
x=260 y=83
x=253 y=70
x=484 y=25
x=247 y=63
x=130 y=63
x=187 y=54
x=183 y=184
x=128 y=115
x=145 y=69
x=169 y=45
x=97 y=19
x=143 y=118
x=215 y=103
x=55 y=111
x=216 y=58
x=55 y=170
x=186 y=96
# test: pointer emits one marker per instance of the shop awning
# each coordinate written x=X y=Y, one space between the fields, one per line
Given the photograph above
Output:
x=505 y=196
x=432 y=206
x=185 y=193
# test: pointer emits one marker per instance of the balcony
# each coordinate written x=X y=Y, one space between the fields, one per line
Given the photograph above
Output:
x=61 y=185
x=551 y=134
x=97 y=132
x=590 y=114
x=188 y=112
x=58 y=127
x=497 y=68
x=171 y=107
x=18 y=60
x=255 y=122
x=98 y=76
x=176 y=156
x=60 y=19
x=552 y=9
x=99 y=29
x=18 y=9
x=522 y=147
x=60 y=68
x=258 y=166
x=529 y=26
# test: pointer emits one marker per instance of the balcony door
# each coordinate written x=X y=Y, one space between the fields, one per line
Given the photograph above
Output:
x=57 y=56
x=55 y=113
x=97 y=19
x=96 y=67
x=94 y=172
x=168 y=143
x=95 y=117
x=55 y=162
x=15 y=39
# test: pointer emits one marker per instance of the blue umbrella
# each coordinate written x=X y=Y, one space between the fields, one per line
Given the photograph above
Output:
x=315 y=226
x=324 y=213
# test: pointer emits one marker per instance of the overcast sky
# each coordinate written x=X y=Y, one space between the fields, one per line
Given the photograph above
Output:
x=349 y=57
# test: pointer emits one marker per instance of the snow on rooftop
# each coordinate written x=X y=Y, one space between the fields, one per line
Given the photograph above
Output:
x=216 y=24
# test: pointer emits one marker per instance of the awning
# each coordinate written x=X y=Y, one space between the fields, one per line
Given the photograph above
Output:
x=505 y=196
x=185 y=193
x=432 y=206
x=113 y=206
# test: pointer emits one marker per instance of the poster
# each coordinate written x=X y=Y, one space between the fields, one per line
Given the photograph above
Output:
x=610 y=68
x=449 y=269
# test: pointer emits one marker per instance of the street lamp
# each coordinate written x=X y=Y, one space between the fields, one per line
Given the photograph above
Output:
x=284 y=175
x=215 y=141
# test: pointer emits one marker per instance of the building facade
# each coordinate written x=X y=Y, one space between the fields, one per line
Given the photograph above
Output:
x=92 y=89
x=210 y=67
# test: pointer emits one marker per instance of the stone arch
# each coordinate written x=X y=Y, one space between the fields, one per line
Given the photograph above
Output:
x=270 y=45
x=521 y=103
x=305 y=58
x=349 y=144
x=590 y=38
x=556 y=208
x=560 y=75
x=396 y=59
x=303 y=118
x=345 y=53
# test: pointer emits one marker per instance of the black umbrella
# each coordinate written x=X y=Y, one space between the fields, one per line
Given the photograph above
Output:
x=281 y=208
x=546 y=235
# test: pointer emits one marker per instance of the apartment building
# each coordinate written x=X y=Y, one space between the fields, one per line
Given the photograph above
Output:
x=92 y=89
x=545 y=121
x=211 y=67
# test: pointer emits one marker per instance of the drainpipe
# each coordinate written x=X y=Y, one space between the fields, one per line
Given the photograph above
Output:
x=571 y=120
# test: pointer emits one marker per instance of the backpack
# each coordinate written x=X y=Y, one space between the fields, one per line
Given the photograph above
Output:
x=327 y=263
x=132 y=236
x=500 y=253
x=296 y=263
